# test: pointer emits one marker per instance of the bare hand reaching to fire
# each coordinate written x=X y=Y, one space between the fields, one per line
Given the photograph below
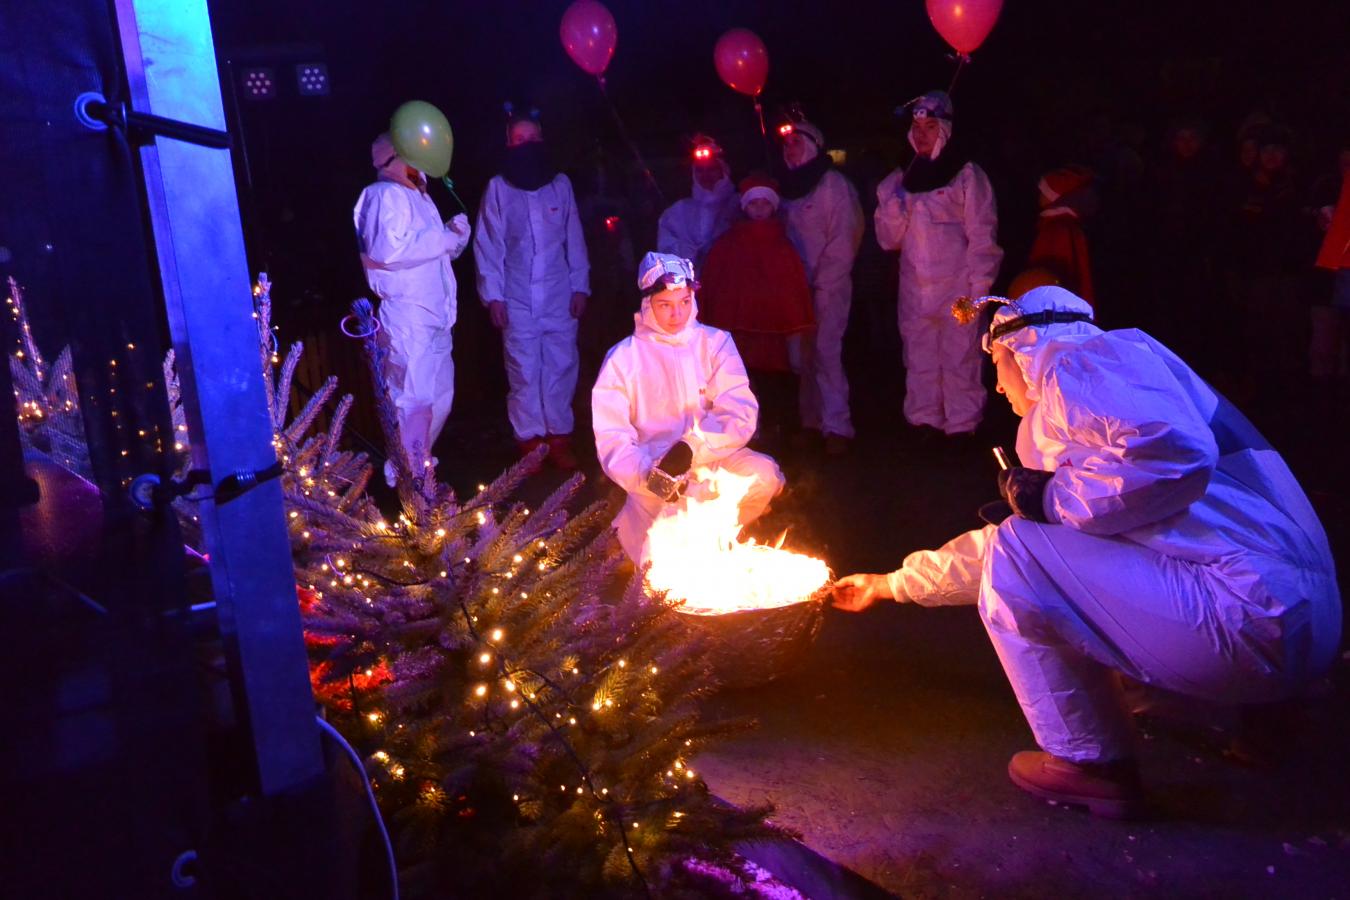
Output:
x=854 y=593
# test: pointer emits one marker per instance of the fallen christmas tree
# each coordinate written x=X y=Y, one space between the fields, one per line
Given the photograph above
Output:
x=527 y=720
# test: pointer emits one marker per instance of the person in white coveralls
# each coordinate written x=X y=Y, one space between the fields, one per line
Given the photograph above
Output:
x=673 y=398
x=534 y=278
x=406 y=251
x=1153 y=532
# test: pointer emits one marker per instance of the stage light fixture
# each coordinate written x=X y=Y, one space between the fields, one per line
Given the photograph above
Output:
x=259 y=84
x=312 y=79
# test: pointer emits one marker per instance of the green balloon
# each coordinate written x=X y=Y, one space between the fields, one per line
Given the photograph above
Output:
x=422 y=137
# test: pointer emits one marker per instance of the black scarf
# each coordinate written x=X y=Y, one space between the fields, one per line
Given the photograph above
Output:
x=528 y=166
x=924 y=174
x=794 y=184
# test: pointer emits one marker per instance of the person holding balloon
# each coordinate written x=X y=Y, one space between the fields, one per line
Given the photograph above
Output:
x=534 y=279
x=939 y=212
x=825 y=223
x=689 y=227
x=406 y=250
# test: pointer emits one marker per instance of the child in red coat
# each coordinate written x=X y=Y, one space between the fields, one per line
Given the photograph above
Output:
x=754 y=285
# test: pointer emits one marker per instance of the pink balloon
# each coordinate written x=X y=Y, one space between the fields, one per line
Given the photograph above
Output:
x=589 y=35
x=964 y=23
x=742 y=61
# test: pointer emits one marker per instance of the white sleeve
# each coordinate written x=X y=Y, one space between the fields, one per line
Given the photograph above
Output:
x=730 y=423
x=843 y=231
x=459 y=239
x=1141 y=451
x=947 y=576
x=578 y=264
x=489 y=245
x=983 y=254
x=892 y=216
x=621 y=457
x=390 y=236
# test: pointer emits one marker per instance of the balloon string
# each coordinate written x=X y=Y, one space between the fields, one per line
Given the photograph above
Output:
x=764 y=134
x=628 y=142
x=961 y=60
x=450 y=186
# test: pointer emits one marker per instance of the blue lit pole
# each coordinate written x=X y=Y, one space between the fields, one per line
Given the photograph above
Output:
x=171 y=72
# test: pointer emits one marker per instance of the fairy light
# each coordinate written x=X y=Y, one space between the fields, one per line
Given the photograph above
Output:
x=440 y=532
x=481 y=690
x=485 y=658
x=497 y=635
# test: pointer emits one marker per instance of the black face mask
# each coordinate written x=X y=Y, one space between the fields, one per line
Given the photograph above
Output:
x=795 y=184
x=529 y=166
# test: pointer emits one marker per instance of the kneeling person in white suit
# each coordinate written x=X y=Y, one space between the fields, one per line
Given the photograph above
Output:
x=671 y=398
x=1153 y=533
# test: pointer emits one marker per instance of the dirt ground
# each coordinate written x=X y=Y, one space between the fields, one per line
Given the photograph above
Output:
x=887 y=750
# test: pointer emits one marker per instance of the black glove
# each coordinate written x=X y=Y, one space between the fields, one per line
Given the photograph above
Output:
x=677 y=459
x=1024 y=489
x=995 y=511
x=666 y=479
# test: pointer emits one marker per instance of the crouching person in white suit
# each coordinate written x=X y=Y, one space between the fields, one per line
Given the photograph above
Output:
x=1152 y=532
x=673 y=398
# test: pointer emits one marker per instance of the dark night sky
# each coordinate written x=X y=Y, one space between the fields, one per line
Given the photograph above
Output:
x=1046 y=67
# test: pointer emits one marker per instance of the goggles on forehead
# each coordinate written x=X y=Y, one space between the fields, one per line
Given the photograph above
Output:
x=1046 y=317
x=666 y=274
x=922 y=112
x=670 y=281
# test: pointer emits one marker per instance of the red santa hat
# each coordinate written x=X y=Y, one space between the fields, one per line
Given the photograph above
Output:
x=1064 y=180
x=758 y=187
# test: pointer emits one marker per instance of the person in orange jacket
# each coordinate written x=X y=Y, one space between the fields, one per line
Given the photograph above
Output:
x=1331 y=323
x=1061 y=245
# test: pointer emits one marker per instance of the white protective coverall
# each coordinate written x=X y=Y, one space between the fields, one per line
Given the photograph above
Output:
x=531 y=254
x=689 y=227
x=948 y=249
x=656 y=389
x=826 y=227
x=407 y=250
x=1183 y=552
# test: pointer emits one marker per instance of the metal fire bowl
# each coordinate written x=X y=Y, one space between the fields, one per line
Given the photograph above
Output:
x=752 y=647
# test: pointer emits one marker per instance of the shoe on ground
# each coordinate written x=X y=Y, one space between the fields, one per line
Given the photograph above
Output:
x=836 y=445
x=1110 y=790
x=529 y=445
x=560 y=452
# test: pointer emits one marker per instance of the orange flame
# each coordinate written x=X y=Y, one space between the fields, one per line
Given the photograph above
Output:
x=697 y=560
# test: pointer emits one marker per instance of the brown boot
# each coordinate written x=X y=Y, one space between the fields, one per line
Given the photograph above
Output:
x=560 y=452
x=1110 y=790
x=836 y=445
x=529 y=445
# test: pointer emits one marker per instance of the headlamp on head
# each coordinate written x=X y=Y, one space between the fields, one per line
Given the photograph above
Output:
x=966 y=309
x=665 y=271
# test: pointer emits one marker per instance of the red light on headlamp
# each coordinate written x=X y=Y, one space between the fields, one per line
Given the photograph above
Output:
x=612 y=223
x=703 y=154
x=785 y=129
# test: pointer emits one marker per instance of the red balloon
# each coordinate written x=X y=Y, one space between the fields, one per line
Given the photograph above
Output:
x=589 y=35
x=964 y=23
x=742 y=61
